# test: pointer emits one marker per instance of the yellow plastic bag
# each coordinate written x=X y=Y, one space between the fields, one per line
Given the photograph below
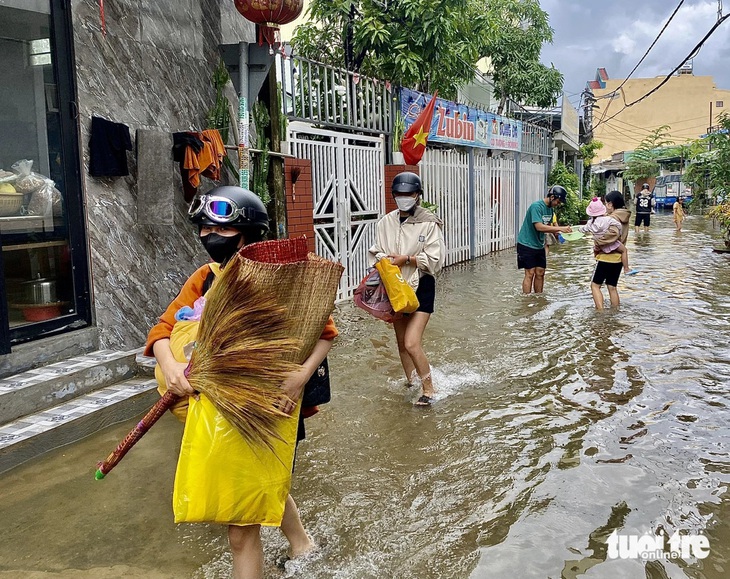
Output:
x=221 y=478
x=183 y=333
x=401 y=295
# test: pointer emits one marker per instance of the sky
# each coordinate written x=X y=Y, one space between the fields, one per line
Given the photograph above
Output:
x=615 y=34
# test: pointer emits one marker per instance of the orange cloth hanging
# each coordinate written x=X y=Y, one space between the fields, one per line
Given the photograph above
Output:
x=207 y=162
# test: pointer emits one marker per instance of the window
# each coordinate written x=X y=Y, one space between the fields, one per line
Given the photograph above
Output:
x=41 y=289
x=719 y=104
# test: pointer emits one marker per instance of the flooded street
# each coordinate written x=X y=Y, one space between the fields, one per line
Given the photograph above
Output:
x=554 y=425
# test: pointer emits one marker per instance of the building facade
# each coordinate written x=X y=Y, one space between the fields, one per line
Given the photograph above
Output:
x=94 y=259
x=688 y=104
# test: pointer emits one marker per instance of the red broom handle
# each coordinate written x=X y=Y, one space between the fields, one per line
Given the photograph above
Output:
x=136 y=433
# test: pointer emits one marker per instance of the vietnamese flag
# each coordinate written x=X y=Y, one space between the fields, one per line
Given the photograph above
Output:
x=413 y=144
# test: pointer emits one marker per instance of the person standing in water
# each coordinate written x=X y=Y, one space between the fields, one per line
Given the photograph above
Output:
x=531 y=238
x=228 y=218
x=411 y=238
x=644 y=206
x=608 y=265
x=678 y=212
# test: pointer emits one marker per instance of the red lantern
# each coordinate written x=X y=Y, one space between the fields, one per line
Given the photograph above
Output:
x=269 y=15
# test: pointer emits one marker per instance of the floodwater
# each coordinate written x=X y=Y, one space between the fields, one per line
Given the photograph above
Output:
x=554 y=426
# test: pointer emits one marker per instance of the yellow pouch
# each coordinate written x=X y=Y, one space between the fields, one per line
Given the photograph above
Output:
x=401 y=295
x=183 y=333
x=221 y=478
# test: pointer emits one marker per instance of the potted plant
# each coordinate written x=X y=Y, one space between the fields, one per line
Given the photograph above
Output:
x=397 y=137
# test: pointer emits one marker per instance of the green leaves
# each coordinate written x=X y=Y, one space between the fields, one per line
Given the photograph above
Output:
x=643 y=161
x=435 y=44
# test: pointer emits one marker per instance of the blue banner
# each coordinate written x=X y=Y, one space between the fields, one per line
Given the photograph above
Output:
x=457 y=124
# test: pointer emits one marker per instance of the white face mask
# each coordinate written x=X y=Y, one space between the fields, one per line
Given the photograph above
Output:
x=405 y=203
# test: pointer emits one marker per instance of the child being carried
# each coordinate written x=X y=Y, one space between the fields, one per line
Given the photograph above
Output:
x=598 y=224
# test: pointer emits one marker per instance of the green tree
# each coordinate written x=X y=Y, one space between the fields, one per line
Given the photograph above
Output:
x=588 y=152
x=643 y=161
x=718 y=160
x=574 y=209
x=435 y=44
x=512 y=33
x=423 y=44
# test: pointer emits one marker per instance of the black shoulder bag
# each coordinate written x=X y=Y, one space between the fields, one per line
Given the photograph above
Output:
x=317 y=389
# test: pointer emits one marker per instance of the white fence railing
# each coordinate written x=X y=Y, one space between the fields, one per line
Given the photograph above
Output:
x=479 y=204
x=445 y=177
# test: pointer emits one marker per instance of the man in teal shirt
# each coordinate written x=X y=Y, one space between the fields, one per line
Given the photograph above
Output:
x=531 y=239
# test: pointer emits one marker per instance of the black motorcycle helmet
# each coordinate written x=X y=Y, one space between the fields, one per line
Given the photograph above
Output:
x=230 y=206
x=558 y=192
x=406 y=183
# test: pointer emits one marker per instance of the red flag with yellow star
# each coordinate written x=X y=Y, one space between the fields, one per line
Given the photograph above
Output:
x=414 y=140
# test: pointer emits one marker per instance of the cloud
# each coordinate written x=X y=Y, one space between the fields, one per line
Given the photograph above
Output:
x=616 y=34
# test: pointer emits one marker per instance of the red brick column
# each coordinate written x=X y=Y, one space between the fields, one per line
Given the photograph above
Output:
x=299 y=199
x=390 y=172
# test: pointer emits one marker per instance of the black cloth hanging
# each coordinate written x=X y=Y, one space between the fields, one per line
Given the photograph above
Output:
x=108 y=148
x=180 y=141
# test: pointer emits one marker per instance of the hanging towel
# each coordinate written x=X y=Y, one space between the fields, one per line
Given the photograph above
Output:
x=108 y=148
x=198 y=154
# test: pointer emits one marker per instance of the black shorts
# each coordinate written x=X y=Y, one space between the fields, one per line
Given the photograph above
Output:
x=426 y=293
x=607 y=272
x=530 y=258
x=645 y=217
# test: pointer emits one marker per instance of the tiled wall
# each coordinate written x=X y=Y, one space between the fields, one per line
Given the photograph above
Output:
x=299 y=199
x=390 y=172
x=152 y=70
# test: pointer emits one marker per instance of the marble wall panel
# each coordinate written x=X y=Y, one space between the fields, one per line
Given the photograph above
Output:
x=153 y=71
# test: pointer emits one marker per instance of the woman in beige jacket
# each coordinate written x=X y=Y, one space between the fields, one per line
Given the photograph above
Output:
x=412 y=239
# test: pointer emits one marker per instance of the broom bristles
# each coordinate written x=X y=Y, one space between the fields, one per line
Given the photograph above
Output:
x=238 y=360
x=261 y=320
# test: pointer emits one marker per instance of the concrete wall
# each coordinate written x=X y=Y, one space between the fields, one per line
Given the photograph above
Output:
x=152 y=71
x=683 y=103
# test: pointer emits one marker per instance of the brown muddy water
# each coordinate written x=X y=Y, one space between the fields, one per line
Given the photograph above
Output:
x=554 y=426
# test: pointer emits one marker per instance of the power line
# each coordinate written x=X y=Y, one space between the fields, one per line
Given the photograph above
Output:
x=605 y=112
x=666 y=78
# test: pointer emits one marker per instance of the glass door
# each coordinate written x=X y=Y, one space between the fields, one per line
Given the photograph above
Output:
x=45 y=276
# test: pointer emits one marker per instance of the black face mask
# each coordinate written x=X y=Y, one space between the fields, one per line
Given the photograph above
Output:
x=220 y=248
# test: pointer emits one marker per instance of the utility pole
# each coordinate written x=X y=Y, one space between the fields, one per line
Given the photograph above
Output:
x=719 y=9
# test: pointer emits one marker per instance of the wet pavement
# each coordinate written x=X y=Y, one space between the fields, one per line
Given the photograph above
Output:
x=554 y=425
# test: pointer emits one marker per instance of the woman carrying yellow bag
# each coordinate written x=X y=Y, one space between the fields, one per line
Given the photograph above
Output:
x=229 y=218
x=411 y=238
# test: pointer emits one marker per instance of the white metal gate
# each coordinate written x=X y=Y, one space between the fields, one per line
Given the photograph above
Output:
x=532 y=183
x=445 y=176
x=492 y=227
x=347 y=186
x=494 y=191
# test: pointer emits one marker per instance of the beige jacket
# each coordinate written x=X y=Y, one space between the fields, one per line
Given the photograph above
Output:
x=613 y=234
x=419 y=235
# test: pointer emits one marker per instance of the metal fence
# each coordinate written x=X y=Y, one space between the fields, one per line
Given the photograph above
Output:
x=331 y=97
x=481 y=197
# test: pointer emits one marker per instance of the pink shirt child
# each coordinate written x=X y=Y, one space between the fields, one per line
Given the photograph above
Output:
x=597 y=226
x=599 y=223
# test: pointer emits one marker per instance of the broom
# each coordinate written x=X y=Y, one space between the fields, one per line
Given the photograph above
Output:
x=262 y=317
x=283 y=297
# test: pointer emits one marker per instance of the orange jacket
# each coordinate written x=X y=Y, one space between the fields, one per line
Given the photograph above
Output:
x=191 y=291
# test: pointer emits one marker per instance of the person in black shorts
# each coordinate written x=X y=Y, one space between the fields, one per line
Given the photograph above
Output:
x=538 y=221
x=644 y=206
x=608 y=265
x=411 y=238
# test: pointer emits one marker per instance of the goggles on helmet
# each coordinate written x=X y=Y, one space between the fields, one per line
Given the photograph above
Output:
x=222 y=210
